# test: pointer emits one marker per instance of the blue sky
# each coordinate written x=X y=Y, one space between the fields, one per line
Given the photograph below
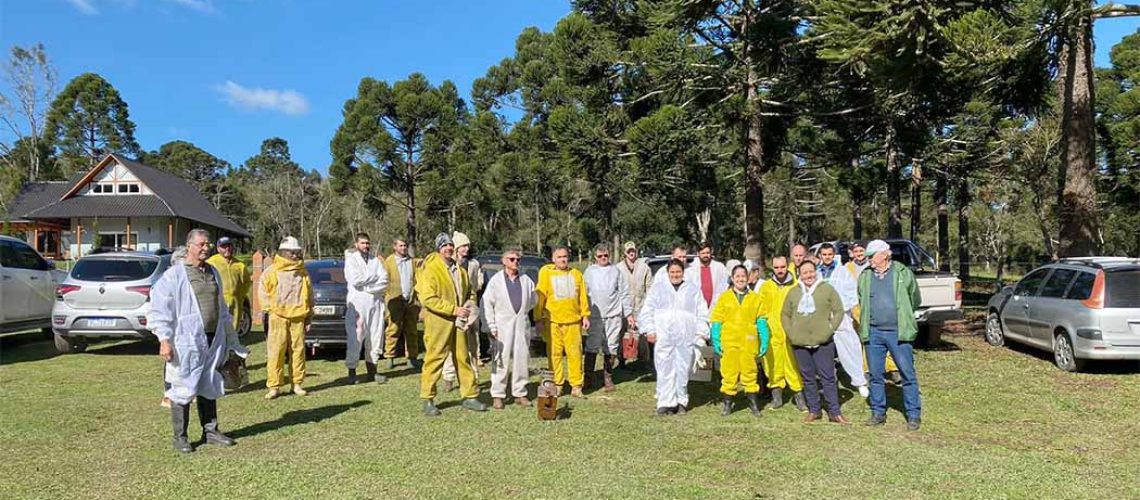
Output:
x=226 y=74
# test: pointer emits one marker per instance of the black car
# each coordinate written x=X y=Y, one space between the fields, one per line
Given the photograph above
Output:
x=659 y=261
x=493 y=263
x=329 y=303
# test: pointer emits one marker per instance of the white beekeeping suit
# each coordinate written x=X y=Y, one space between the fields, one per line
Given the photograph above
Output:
x=610 y=303
x=364 y=320
x=720 y=277
x=848 y=347
x=679 y=318
x=510 y=333
x=175 y=316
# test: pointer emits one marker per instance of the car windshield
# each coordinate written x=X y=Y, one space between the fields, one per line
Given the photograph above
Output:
x=1123 y=289
x=124 y=269
x=326 y=273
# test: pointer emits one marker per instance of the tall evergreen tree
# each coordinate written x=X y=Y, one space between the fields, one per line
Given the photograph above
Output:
x=88 y=120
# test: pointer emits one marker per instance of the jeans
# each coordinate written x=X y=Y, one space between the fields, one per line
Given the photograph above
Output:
x=819 y=360
x=880 y=343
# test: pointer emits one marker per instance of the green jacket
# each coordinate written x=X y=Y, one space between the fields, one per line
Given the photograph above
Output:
x=907 y=299
x=816 y=328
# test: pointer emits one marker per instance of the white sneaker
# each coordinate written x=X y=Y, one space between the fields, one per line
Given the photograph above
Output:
x=300 y=391
x=272 y=394
x=864 y=392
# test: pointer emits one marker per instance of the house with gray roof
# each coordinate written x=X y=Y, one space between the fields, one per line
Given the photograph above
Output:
x=118 y=203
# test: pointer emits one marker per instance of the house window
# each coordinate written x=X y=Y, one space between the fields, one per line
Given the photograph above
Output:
x=103 y=188
x=128 y=188
x=119 y=240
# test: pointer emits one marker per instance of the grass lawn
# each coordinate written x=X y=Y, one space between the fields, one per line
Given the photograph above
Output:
x=998 y=423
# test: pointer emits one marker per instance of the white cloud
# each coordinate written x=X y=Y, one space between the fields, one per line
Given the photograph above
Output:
x=289 y=102
x=206 y=6
x=84 y=6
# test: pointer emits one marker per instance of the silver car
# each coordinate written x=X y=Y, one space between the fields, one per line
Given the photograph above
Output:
x=106 y=296
x=1081 y=309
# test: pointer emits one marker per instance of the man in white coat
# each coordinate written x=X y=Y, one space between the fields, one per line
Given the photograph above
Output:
x=675 y=319
x=679 y=253
x=610 y=301
x=848 y=347
x=710 y=276
x=508 y=301
x=364 y=320
x=189 y=316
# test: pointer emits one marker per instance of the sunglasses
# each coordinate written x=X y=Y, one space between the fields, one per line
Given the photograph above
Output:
x=603 y=256
x=511 y=259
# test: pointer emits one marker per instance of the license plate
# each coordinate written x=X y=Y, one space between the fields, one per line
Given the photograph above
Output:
x=101 y=322
x=324 y=310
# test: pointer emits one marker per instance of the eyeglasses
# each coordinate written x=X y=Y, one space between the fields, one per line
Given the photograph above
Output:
x=204 y=244
x=603 y=256
x=511 y=259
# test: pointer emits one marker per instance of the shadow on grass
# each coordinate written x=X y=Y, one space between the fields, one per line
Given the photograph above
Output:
x=1095 y=367
x=24 y=348
x=297 y=417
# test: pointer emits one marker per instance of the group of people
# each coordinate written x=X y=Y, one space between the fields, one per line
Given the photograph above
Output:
x=792 y=325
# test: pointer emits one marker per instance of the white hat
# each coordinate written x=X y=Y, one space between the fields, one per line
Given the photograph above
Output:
x=289 y=243
x=629 y=245
x=460 y=239
x=876 y=246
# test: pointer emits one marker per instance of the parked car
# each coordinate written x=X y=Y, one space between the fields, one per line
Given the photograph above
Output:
x=106 y=296
x=941 y=291
x=330 y=291
x=1080 y=309
x=27 y=287
x=659 y=261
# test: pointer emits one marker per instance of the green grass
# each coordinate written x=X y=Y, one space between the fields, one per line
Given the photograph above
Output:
x=998 y=423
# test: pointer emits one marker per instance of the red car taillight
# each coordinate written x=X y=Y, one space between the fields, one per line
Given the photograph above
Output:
x=144 y=290
x=958 y=291
x=1096 y=298
x=62 y=290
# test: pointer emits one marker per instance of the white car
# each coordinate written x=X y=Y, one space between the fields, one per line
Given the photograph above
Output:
x=27 y=287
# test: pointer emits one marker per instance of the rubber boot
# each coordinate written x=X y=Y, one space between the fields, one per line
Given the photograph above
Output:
x=754 y=403
x=208 y=415
x=591 y=361
x=726 y=406
x=373 y=376
x=179 y=415
x=801 y=402
x=430 y=409
x=352 y=376
x=777 y=398
x=608 y=373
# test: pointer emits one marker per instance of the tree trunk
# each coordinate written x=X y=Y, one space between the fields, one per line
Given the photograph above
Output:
x=1079 y=231
x=857 y=220
x=894 y=187
x=755 y=169
x=411 y=195
x=940 y=190
x=916 y=201
x=963 y=230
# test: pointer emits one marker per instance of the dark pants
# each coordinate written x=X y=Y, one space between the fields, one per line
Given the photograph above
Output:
x=880 y=343
x=819 y=361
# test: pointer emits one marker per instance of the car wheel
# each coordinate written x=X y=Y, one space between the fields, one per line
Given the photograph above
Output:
x=1063 y=354
x=994 y=334
x=67 y=345
x=246 y=323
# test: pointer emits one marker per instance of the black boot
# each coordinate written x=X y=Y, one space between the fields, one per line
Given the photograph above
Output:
x=179 y=415
x=373 y=376
x=777 y=398
x=754 y=403
x=208 y=415
x=801 y=402
x=726 y=406
x=352 y=376
x=591 y=361
x=608 y=373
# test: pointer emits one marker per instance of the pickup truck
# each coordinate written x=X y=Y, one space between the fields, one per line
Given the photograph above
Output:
x=941 y=291
x=27 y=287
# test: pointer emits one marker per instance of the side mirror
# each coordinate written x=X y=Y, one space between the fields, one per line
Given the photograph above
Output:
x=1007 y=289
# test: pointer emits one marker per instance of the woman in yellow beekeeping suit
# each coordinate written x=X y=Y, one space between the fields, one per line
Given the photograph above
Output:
x=739 y=336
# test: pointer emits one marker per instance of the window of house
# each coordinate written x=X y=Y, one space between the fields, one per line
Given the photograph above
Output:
x=128 y=188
